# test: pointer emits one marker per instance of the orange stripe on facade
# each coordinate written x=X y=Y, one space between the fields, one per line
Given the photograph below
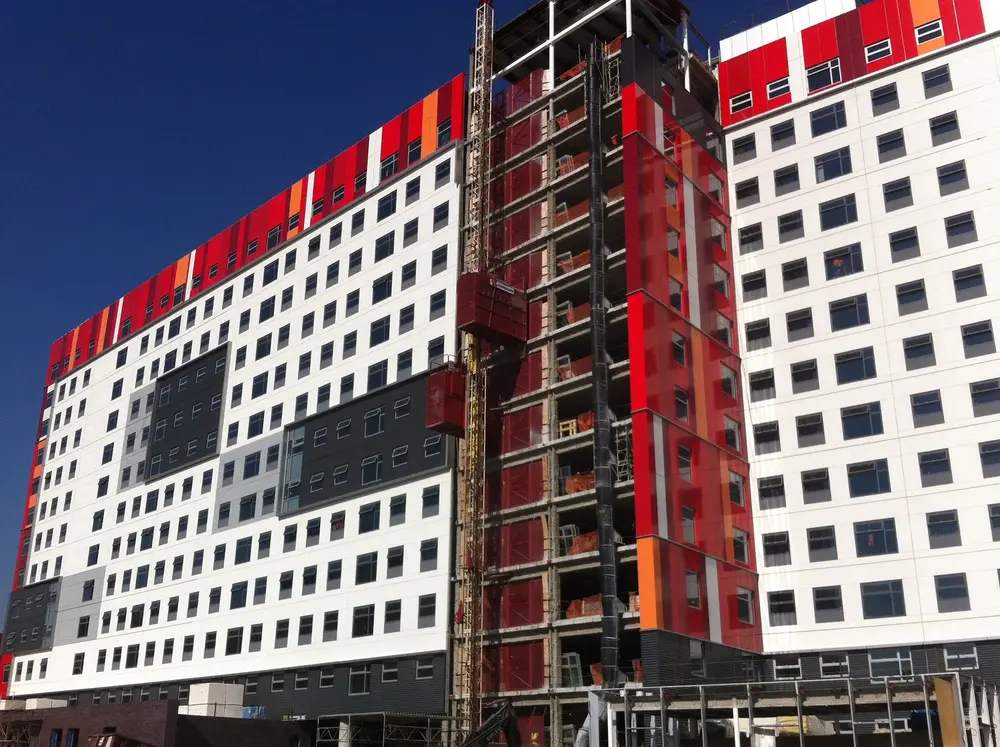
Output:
x=429 y=131
x=293 y=205
x=72 y=349
x=650 y=586
x=181 y=271
x=103 y=329
x=700 y=406
x=924 y=11
x=932 y=45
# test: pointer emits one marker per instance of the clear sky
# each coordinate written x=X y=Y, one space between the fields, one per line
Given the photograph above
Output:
x=131 y=132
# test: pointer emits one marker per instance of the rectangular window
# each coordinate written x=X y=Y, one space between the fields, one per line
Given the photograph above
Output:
x=832 y=165
x=782 y=135
x=868 y=478
x=849 y=312
x=838 y=212
x=740 y=102
x=844 y=261
x=881 y=599
x=823 y=75
x=744 y=149
x=877 y=51
x=875 y=538
x=828 y=119
x=929 y=31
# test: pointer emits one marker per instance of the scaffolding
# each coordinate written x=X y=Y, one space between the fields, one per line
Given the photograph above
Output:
x=19 y=729
x=952 y=709
x=381 y=729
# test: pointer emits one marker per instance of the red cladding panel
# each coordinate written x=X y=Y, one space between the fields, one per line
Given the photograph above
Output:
x=522 y=429
x=646 y=257
x=522 y=667
x=391 y=136
x=414 y=122
x=522 y=603
x=819 y=43
x=970 y=17
x=518 y=486
x=851 y=44
x=516 y=544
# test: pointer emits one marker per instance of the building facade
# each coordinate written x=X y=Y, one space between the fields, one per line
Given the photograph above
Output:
x=234 y=480
x=863 y=159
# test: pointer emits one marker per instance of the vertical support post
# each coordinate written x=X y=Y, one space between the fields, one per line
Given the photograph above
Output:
x=927 y=710
x=960 y=708
x=798 y=714
x=628 y=18
x=663 y=721
x=627 y=720
x=687 y=51
x=888 y=707
x=736 y=724
x=750 y=739
x=703 y=707
x=603 y=483
x=612 y=727
x=850 y=700
x=552 y=45
x=594 y=719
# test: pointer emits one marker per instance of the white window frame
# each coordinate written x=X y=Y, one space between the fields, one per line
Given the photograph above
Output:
x=955 y=662
x=878 y=51
x=778 y=88
x=741 y=102
x=787 y=670
x=830 y=66
x=930 y=31
x=842 y=664
x=884 y=657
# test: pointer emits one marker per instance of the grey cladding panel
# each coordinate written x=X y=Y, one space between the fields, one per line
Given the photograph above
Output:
x=177 y=418
x=31 y=613
x=318 y=448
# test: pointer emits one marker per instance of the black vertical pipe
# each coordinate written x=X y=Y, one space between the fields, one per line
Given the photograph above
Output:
x=603 y=483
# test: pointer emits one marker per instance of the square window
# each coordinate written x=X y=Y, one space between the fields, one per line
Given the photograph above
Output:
x=935 y=468
x=943 y=529
x=786 y=180
x=751 y=239
x=977 y=339
x=816 y=486
x=758 y=334
x=744 y=149
x=952 y=591
x=952 y=178
x=799 y=325
x=795 y=274
x=890 y=145
x=805 y=376
x=783 y=135
x=960 y=229
x=868 y=478
x=926 y=409
x=781 y=608
x=832 y=165
x=828 y=606
x=881 y=599
x=849 y=312
x=937 y=81
x=897 y=194
x=911 y=297
x=747 y=193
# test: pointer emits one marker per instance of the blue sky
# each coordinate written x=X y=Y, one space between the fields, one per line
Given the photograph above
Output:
x=132 y=132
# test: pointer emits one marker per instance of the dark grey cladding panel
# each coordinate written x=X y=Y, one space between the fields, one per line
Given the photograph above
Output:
x=317 y=454
x=667 y=660
x=406 y=695
x=178 y=422
x=31 y=614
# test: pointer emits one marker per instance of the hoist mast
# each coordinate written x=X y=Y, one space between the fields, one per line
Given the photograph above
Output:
x=472 y=480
